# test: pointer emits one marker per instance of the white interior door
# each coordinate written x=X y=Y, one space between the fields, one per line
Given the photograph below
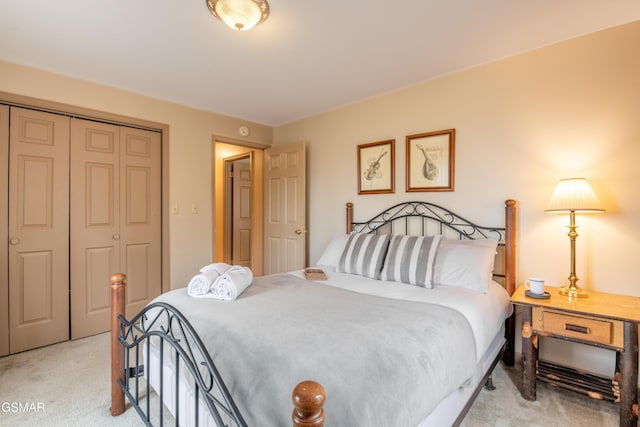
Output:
x=38 y=229
x=285 y=237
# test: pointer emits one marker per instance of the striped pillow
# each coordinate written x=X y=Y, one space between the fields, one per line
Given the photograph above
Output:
x=363 y=255
x=410 y=260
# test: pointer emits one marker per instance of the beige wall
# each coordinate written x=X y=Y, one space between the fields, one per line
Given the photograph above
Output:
x=190 y=152
x=522 y=123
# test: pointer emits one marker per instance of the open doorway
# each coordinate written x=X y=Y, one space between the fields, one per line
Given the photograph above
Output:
x=238 y=228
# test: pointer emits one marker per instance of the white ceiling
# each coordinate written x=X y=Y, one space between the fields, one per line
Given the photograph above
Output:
x=306 y=58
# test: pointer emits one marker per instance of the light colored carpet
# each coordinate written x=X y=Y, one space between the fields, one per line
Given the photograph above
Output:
x=553 y=407
x=70 y=382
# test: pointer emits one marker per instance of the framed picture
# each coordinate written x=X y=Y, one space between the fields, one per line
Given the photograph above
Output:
x=430 y=161
x=376 y=172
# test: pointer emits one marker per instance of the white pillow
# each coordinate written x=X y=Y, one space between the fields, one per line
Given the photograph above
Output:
x=331 y=254
x=363 y=255
x=410 y=260
x=465 y=263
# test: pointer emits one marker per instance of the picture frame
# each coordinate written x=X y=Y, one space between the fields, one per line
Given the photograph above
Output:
x=431 y=161
x=376 y=167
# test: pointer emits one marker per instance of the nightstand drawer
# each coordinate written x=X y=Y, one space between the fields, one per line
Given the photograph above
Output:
x=602 y=331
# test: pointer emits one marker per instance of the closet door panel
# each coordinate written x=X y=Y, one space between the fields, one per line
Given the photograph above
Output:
x=138 y=257
x=38 y=229
x=140 y=213
x=95 y=223
x=4 y=231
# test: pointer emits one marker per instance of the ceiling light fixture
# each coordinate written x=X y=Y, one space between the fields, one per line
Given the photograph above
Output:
x=240 y=15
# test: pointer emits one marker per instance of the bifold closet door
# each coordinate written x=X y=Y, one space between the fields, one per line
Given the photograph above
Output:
x=95 y=226
x=38 y=229
x=140 y=215
x=115 y=220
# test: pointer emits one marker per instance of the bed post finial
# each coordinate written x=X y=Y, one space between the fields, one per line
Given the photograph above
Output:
x=308 y=399
x=349 y=217
x=118 y=285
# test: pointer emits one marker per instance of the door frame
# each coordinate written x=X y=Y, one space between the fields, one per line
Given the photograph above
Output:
x=118 y=119
x=223 y=149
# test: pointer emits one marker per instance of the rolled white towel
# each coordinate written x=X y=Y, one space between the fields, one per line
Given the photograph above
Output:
x=232 y=283
x=201 y=284
x=218 y=267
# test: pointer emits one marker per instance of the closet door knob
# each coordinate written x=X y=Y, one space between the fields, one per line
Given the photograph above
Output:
x=14 y=241
x=116 y=236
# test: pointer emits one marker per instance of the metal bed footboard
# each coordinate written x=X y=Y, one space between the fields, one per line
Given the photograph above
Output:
x=163 y=327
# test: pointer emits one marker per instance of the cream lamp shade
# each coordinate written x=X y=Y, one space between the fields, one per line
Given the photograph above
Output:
x=574 y=194
x=240 y=15
x=570 y=196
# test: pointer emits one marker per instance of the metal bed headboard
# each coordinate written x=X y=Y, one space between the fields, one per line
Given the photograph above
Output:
x=402 y=214
x=425 y=218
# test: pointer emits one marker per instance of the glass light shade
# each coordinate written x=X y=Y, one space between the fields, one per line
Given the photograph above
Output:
x=240 y=15
x=574 y=194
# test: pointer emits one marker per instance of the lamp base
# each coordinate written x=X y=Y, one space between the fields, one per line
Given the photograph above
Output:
x=573 y=292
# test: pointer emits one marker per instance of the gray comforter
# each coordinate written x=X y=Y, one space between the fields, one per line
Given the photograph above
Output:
x=382 y=362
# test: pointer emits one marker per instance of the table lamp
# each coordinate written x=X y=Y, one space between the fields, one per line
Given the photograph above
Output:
x=573 y=195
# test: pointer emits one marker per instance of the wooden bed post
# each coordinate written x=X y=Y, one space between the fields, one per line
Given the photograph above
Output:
x=509 y=356
x=510 y=246
x=308 y=399
x=349 y=217
x=118 y=286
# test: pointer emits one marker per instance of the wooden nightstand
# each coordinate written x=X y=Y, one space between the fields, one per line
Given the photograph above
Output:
x=601 y=320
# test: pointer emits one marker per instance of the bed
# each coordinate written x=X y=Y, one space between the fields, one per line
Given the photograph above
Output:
x=413 y=316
